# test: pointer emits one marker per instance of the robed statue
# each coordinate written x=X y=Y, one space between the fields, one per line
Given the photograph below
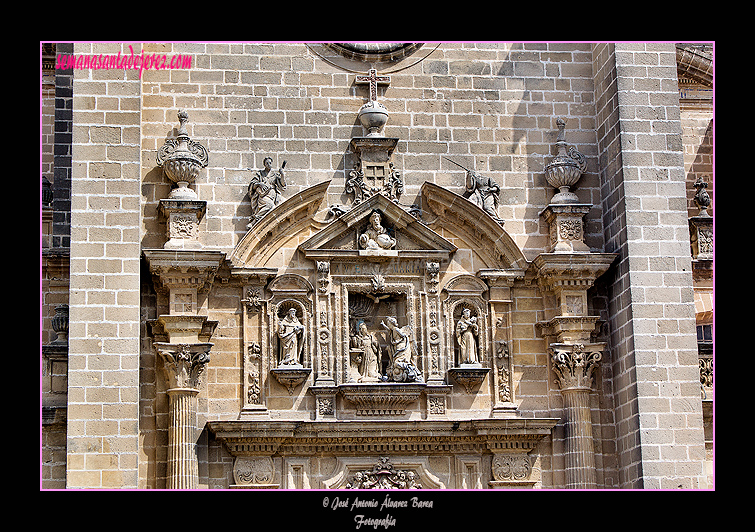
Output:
x=467 y=331
x=266 y=190
x=367 y=367
x=291 y=339
x=376 y=236
x=401 y=351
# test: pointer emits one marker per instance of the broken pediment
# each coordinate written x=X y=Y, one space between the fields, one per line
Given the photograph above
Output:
x=458 y=218
x=277 y=228
x=376 y=230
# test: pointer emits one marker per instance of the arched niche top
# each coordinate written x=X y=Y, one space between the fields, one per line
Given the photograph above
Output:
x=460 y=218
x=291 y=283
x=465 y=285
x=288 y=218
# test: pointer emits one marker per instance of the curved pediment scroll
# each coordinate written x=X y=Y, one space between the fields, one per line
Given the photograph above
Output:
x=460 y=218
x=286 y=221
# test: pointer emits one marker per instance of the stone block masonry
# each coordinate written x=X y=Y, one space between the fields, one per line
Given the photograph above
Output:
x=657 y=385
x=103 y=375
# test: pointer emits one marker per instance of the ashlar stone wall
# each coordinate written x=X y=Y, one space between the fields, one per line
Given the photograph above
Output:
x=489 y=106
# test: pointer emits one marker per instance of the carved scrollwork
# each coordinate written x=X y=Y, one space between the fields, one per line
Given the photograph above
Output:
x=250 y=470
x=511 y=467
x=384 y=476
x=574 y=364
x=184 y=363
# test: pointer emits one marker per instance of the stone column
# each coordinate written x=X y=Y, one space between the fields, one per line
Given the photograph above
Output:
x=184 y=365
x=574 y=365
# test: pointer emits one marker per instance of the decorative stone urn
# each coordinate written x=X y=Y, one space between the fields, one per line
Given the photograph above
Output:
x=565 y=169
x=181 y=159
x=373 y=116
x=60 y=324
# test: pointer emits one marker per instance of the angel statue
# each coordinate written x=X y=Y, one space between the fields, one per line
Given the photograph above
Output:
x=401 y=350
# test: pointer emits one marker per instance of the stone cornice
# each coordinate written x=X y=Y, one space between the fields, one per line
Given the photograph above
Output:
x=246 y=438
x=557 y=270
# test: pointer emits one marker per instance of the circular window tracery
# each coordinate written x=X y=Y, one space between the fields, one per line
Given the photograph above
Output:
x=374 y=51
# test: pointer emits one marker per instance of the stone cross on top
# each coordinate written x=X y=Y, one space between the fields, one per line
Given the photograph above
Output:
x=373 y=80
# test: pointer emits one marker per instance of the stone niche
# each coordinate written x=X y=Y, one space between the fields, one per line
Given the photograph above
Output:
x=377 y=312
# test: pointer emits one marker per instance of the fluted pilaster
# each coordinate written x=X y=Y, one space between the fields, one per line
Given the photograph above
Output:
x=580 y=454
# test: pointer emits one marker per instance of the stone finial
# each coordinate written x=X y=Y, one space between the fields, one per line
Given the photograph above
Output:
x=60 y=324
x=181 y=159
x=565 y=169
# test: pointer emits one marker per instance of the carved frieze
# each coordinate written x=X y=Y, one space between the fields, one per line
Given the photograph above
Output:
x=381 y=399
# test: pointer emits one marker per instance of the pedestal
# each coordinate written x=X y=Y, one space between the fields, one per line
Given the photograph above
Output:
x=183 y=217
x=566 y=227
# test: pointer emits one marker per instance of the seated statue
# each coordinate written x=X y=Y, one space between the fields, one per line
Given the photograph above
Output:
x=376 y=236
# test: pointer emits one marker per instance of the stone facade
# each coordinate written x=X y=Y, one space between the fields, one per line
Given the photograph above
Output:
x=454 y=265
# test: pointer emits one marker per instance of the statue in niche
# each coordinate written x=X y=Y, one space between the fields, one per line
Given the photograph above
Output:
x=376 y=236
x=265 y=190
x=370 y=354
x=402 y=368
x=291 y=336
x=482 y=191
x=467 y=331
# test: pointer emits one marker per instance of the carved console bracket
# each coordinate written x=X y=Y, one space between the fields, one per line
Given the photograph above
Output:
x=469 y=376
x=381 y=399
x=291 y=377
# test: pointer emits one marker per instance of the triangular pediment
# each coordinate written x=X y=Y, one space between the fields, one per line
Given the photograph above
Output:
x=412 y=238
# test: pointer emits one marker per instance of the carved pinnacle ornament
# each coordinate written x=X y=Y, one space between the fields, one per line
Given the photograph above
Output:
x=565 y=169
x=181 y=159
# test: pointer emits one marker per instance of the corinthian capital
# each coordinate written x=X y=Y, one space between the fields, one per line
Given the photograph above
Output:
x=574 y=364
x=184 y=363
